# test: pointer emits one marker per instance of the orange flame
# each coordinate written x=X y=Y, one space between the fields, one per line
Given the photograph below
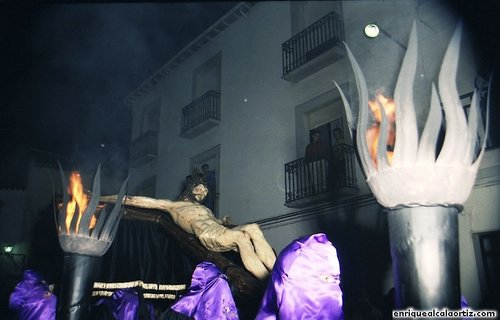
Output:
x=78 y=197
x=373 y=133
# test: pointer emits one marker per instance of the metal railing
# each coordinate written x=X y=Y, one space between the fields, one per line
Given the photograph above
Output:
x=143 y=147
x=309 y=178
x=205 y=107
x=309 y=43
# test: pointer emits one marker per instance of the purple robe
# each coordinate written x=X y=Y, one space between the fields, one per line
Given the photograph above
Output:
x=305 y=282
x=124 y=304
x=209 y=296
x=32 y=299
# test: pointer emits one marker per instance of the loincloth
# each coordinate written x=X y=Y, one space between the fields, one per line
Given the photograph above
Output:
x=213 y=237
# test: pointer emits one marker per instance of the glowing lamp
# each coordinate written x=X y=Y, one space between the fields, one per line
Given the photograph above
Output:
x=8 y=248
x=371 y=30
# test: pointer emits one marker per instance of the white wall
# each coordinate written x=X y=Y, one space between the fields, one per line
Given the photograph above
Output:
x=381 y=58
x=480 y=214
x=257 y=134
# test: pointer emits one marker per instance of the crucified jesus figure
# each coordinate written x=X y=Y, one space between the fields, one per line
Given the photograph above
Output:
x=256 y=254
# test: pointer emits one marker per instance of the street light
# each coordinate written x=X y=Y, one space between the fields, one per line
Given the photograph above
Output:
x=8 y=248
x=371 y=30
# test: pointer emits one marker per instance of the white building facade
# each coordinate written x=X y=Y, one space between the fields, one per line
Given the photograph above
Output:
x=244 y=96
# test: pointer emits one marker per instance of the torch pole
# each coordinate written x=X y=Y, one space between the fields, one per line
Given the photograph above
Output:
x=79 y=274
x=425 y=257
x=84 y=246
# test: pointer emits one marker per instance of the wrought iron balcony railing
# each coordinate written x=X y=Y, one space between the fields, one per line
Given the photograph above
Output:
x=201 y=114
x=144 y=148
x=318 y=38
x=307 y=179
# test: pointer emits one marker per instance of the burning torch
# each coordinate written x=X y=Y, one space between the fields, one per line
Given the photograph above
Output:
x=86 y=231
x=422 y=189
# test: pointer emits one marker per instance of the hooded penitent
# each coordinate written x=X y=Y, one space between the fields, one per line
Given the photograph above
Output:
x=305 y=282
x=209 y=296
x=126 y=304
x=33 y=299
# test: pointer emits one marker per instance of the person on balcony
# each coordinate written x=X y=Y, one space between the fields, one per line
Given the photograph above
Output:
x=256 y=254
x=317 y=149
x=317 y=157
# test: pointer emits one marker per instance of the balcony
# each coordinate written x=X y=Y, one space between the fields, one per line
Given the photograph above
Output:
x=313 y=48
x=201 y=115
x=316 y=182
x=144 y=148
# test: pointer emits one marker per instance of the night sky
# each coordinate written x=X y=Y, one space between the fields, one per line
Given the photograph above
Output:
x=67 y=67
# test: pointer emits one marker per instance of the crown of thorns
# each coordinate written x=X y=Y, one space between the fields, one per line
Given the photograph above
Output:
x=196 y=179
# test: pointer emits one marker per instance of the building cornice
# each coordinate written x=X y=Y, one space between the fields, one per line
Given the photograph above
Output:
x=201 y=41
x=313 y=212
x=489 y=169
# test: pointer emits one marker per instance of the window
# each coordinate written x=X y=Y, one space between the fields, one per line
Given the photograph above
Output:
x=204 y=112
x=144 y=146
x=150 y=119
x=316 y=41
x=324 y=111
x=328 y=167
x=210 y=158
x=304 y=13
x=147 y=187
x=207 y=77
x=487 y=250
